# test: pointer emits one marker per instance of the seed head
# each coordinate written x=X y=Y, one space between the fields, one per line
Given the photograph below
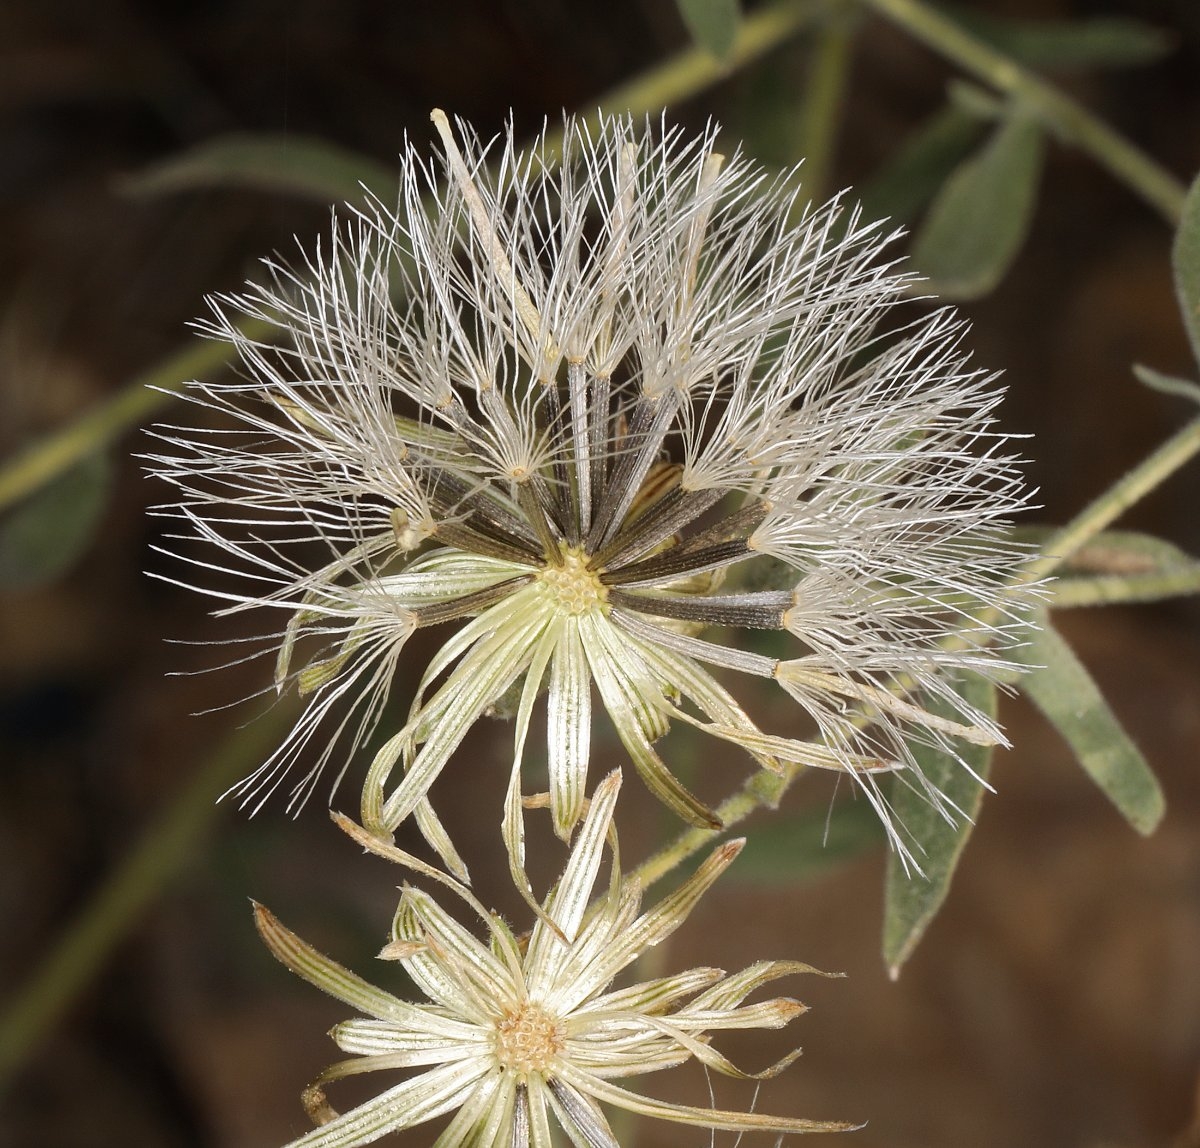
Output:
x=609 y=412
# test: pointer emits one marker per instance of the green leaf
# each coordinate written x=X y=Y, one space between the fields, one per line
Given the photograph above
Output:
x=911 y=901
x=788 y=850
x=1098 y=42
x=1118 y=566
x=1063 y=690
x=977 y=223
x=921 y=164
x=1185 y=259
x=295 y=165
x=1167 y=384
x=45 y=535
x=977 y=101
x=712 y=23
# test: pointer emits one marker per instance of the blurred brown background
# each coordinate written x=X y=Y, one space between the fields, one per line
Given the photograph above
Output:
x=1057 y=1000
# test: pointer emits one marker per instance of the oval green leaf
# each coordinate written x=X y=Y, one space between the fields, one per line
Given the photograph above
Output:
x=1185 y=260
x=713 y=24
x=921 y=164
x=44 y=536
x=980 y=218
x=912 y=900
x=1060 y=686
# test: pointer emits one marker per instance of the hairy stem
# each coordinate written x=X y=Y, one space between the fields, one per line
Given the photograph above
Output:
x=1150 y=473
x=61 y=449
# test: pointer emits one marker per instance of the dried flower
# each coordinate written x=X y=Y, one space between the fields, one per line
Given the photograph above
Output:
x=590 y=409
x=516 y=1032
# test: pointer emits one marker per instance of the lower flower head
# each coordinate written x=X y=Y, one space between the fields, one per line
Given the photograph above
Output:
x=515 y=1035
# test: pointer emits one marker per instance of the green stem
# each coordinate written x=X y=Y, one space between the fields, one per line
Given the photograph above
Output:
x=149 y=392
x=1073 y=123
x=760 y=790
x=164 y=849
x=694 y=69
x=765 y=790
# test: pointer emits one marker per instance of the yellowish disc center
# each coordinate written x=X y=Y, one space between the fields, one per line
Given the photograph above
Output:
x=528 y=1039
x=574 y=584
